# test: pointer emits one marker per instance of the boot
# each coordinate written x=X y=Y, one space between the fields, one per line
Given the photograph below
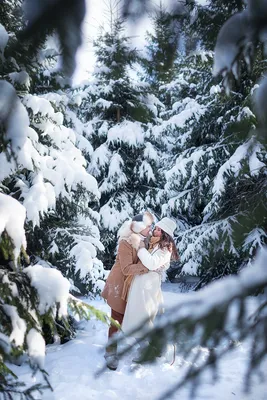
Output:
x=111 y=358
x=112 y=361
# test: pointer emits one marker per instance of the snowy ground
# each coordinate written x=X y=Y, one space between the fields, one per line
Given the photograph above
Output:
x=72 y=368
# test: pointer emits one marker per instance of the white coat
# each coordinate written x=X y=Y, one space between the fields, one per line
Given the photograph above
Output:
x=145 y=296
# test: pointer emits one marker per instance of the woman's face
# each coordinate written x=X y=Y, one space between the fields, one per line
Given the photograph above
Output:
x=157 y=232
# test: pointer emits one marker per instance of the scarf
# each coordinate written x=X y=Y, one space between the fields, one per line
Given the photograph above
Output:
x=153 y=242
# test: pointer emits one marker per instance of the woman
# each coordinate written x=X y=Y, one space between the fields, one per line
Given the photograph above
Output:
x=126 y=266
x=145 y=296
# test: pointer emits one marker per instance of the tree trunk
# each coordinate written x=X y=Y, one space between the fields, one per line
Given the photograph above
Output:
x=118 y=114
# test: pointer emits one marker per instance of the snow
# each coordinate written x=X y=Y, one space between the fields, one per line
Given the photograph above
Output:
x=22 y=78
x=254 y=163
x=116 y=177
x=18 y=125
x=127 y=132
x=38 y=198
x=84 y=254
x=3 y=39
x=12 y=217
x=259 y=96
x=202 y=2
x=214 y=294
x=184 y=110
x=231 y=165
x=38 y=105
x=84 y=145
x=51 y=286
x=5 y=343
x=254 y=240
x=215 y=89
x=16 y=122
x=230 y=39
x=195 y=242
x=150 y=152
x=6 y=167
x=146 y=171
x=52 y=155
x=57 y=169
x=111 y=217
x=103 y=104
x=100 y=157
x=73 y=368
x=12 y=286
x=234 y=165
x=36 y=346
x=18 y=325
x=116 y=163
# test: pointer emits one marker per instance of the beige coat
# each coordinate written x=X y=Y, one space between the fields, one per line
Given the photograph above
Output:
x=126 y=266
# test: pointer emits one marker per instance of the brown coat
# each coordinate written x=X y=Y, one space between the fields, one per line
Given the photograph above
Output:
x=119 y=280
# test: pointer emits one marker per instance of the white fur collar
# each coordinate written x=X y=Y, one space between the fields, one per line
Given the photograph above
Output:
x=125 y=233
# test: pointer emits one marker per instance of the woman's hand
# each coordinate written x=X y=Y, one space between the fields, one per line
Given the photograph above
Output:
x=142 y=245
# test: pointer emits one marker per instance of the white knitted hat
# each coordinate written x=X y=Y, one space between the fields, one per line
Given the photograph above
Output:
x=167 y=225
x=141 y=221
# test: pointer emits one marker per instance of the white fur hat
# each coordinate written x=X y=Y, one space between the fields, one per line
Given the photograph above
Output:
x=141 y=222
x=167 y=225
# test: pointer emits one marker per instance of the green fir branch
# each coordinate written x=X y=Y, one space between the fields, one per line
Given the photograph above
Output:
x=86 y=311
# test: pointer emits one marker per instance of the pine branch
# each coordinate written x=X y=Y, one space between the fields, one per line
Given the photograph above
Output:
x=11 y=387
x=63 y=16
x=86 y=311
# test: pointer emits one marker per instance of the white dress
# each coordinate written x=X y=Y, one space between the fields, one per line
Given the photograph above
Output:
x=145 y=296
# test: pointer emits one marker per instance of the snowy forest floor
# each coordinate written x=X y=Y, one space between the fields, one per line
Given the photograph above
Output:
x=72 y=369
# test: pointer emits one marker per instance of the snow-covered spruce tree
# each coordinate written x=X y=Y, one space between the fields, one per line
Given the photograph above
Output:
x=29 y=298
x=50 y=176
x=36 y=147
x=120 y=113
x=217 y=158
x=161 y=50
x=67 y=235
x=218 y=317
x=33 y=298
x=205 y=21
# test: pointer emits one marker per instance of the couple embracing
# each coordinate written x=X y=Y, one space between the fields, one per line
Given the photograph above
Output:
x=133 y=287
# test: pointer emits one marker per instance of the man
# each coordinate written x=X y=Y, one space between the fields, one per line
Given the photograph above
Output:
x=126 y=266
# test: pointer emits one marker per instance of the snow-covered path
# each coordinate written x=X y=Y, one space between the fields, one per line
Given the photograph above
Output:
x=72 y=370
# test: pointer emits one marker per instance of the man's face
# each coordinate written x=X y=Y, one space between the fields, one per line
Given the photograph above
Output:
x=145 y=232
x=157 y=232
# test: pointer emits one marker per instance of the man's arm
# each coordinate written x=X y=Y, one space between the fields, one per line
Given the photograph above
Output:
x=125 y=253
